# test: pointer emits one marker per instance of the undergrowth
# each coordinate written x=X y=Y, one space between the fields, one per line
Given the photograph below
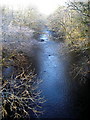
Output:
x=21 y=98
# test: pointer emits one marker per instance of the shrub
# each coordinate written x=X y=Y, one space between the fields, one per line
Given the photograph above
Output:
x=20 y=97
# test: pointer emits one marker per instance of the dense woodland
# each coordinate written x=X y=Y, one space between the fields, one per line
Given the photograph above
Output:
x=71 y=25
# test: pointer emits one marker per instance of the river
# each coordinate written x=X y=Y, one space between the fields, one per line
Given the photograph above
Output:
x=61 y=93
x=65 y=98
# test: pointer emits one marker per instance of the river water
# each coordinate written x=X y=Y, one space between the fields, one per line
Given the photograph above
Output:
x=65 y=98
x=61 y=93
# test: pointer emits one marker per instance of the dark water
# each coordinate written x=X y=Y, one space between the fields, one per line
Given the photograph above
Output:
x=64 y=97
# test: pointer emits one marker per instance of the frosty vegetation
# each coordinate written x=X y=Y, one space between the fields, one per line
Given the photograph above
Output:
x=20 y=32
x=20 y=98
x=72 y=24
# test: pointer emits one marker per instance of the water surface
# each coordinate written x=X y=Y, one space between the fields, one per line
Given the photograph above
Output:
x=55 y=86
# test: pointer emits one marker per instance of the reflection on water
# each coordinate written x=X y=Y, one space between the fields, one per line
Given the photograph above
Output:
x=59 y=91
x=65 y=98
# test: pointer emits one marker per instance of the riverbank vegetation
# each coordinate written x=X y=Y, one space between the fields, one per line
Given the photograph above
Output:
x=20 y=97
x=27 y=18
x=72 y=25
x=20 y=32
